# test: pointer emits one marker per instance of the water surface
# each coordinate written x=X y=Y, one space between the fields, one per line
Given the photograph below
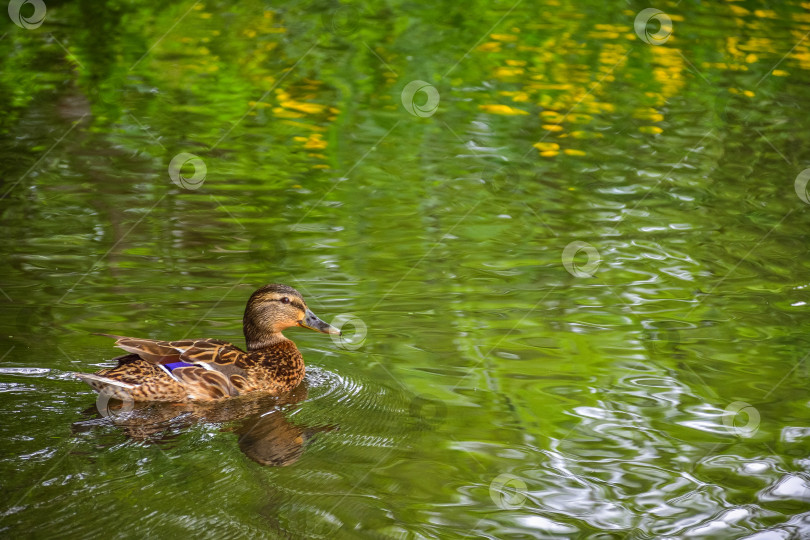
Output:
x=582 y=270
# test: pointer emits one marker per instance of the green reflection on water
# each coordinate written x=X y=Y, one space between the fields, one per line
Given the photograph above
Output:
x=615 y=393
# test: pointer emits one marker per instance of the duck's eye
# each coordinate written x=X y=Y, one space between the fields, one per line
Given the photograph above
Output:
x=285 y=300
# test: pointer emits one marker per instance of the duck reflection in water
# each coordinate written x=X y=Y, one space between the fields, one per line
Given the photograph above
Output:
x=263 y=431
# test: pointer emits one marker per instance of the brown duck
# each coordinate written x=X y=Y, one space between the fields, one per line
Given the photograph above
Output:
x=211 y=369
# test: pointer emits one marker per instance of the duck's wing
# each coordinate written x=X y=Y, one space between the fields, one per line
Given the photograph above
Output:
x=187 y=350
x=208 y=368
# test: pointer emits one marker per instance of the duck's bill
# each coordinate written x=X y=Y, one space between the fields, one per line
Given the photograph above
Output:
x=312 y=322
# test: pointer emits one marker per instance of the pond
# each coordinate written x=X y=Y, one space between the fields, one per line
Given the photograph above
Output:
x=566 y=242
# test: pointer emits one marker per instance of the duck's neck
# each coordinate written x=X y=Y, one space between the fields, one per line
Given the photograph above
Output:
x=263 y=340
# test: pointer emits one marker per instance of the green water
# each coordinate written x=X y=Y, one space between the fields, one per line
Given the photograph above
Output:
x=583 y=272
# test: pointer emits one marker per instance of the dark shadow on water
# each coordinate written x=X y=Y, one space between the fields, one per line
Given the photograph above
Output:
x=264 y=433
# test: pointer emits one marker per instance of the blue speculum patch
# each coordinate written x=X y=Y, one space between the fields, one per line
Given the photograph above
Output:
x=175 y=365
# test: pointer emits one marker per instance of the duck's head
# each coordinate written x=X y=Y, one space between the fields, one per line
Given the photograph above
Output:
x=273 y=308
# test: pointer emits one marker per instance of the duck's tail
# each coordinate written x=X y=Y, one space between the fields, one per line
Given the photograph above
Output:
x=109 y=387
